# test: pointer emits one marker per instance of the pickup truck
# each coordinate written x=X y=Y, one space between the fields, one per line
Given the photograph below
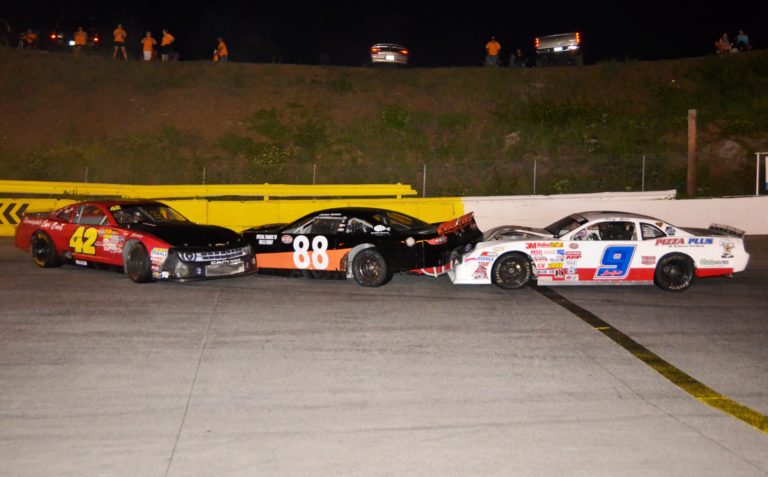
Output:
x=559 y=49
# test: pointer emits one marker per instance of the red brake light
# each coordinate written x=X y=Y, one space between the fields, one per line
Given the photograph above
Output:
x=536 y=42
x=53 y=36
x=438 y=240
x=578 y=38
x=404 y=52
x=374 y=50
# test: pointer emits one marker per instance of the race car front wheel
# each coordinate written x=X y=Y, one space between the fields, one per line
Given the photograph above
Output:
x=512 y=271
x=369 y=268
x=674 y=272
x=43 y=251
x=138 y=267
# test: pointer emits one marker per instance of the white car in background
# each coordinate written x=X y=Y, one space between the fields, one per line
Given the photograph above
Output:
x=601 y=248
x=389 y=53
x=560 y=49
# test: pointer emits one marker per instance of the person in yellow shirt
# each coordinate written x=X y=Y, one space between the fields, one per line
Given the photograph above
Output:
x=119 y=36
x=221 y=53
x=492 y=49
x=81 y=39
x=165 y=45
x=148 y=45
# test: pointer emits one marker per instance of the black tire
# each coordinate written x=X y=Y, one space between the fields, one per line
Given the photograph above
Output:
x=370 y=269
x=674 y=272
x=138 y=266
x=43 y=251
x=512 y=271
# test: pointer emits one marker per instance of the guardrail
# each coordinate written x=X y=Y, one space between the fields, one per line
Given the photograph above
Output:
x=236 y=206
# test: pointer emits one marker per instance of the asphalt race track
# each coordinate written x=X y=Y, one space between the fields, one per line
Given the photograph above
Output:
x=266 y=375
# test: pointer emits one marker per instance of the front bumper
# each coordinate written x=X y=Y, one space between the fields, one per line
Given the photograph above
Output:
x=187 y=264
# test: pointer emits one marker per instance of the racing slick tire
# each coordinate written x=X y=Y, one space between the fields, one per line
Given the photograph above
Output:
x=512 y=271
x=138 y=266
x=370 y=269
x=43 y=251
x=674 y=272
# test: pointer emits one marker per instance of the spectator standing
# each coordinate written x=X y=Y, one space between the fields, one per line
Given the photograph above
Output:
x=148 y=45
x=28 y=39
x=81 y=39
x=119 y=36
x=492 y=49
x=221 y=53
x=742 y=41
x=165 y=45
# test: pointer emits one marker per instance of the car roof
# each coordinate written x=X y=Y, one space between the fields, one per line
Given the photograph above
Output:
x=387 y=45
x=112 y=202
x=607 y=214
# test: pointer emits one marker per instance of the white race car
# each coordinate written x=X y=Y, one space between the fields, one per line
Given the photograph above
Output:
x=601 y=248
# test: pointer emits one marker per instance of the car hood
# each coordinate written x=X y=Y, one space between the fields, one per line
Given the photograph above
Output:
x=515 y=232
x=188 y=234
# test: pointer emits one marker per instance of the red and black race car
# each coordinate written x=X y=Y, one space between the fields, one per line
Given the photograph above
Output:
x=366 y=244
x=147 y=239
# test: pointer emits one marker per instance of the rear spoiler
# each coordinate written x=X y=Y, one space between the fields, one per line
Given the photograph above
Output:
x=455 y=225
x=727 y=229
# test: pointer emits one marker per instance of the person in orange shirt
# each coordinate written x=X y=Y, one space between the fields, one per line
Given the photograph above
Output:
x=81 y=39
x=148 y=45
x=221 y=53
x=28 y=39
x=492 y=49
x=119 y=41
x=165 y=45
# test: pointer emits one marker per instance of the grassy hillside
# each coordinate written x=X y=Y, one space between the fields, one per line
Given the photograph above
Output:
x=478 y=131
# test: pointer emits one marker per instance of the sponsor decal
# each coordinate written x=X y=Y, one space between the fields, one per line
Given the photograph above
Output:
x=648 y=259
x=481 y=272
x=561 y=252
x=266 y=236
x=536 y=252
x=573 y=246
x=380 y=229
x=158 y=252
x=81 y=262
x=112 y=243
x=266 y=242
x=571 y=277
x=714 y=263
x=53 y=225
x=573 y=255
x=286 y=239
x=555 y=265
x=700 y=241
x=669 y=230
x=728 y=247
x=670 y=241
x=535 y=245
x=660 y=224
x=540 y=259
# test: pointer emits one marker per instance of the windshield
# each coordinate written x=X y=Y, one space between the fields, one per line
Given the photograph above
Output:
x=134 y=214
x=565 y=225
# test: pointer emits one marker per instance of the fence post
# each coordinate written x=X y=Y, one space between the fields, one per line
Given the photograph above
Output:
x=203 y=175
x=86 y=174
x=424 y=181
x=314 y=173
x=534 y=177
x=642 y=183
x=691 y=152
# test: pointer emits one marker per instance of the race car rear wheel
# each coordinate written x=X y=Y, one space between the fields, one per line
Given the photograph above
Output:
x=369 y=268
x=43 y=251
x=138 y=266
x=674 y=272
x=512 y=271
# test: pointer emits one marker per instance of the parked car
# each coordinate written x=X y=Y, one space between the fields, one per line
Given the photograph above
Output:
x=389 y=54
x=366 y=244
x=559 y=49
x=601 y=248
x=147 y=239
x=63 y=38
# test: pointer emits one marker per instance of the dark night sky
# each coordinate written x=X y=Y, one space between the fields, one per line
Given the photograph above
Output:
x=437 y=34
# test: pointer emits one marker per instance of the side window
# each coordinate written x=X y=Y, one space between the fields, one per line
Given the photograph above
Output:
x=650 y=231
x=358 y=226
x=90 y=215
x=616 y=230
x=325 y=225
x=64 y=215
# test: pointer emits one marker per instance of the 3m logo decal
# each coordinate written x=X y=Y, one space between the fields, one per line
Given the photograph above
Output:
x=11 y=212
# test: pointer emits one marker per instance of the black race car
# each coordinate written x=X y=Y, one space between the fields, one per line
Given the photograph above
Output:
x=366 y=244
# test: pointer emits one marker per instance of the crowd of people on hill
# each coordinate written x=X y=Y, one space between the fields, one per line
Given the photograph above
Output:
x=723 y=45
x=150 y=49
x=517 y=59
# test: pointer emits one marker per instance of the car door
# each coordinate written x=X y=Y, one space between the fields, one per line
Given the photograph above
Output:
x=87 y=231
x=602 y=251
x=308 y=246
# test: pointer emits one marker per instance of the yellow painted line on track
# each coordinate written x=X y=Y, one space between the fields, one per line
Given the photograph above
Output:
x=678 y=377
